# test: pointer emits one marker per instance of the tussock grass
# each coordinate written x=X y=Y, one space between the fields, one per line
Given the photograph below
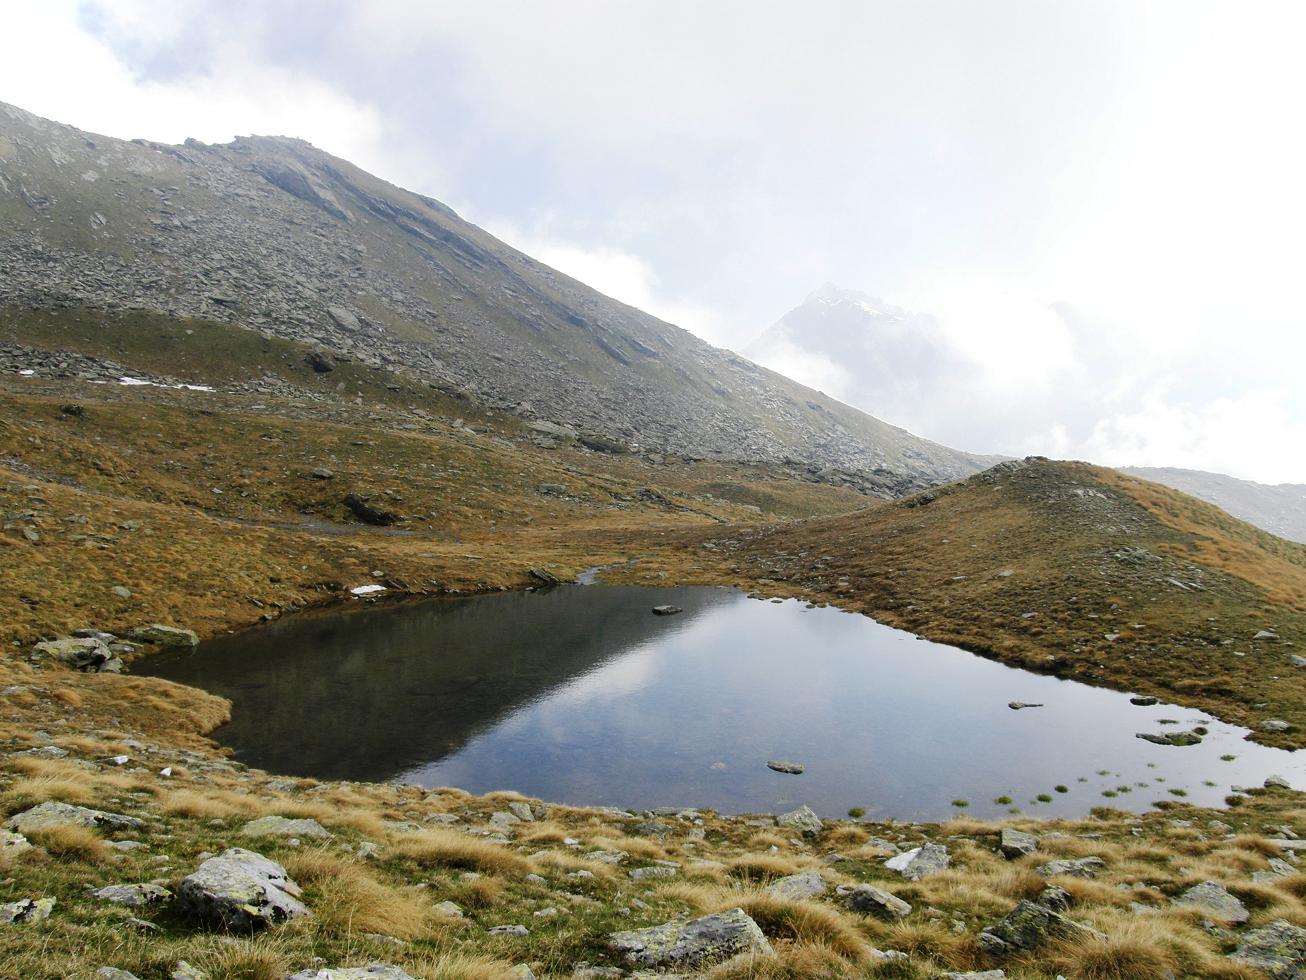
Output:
x=210 y=804
x=69 y=842
x=22 y=793
x=449 y=849
x=805 y=922
x=761 y=867
x=349 y=898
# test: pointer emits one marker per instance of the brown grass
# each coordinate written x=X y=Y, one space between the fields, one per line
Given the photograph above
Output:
x=69 y=842
x=349 y=898
x=449 y=849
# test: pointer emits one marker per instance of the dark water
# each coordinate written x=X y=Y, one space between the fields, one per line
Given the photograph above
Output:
x=581 y=695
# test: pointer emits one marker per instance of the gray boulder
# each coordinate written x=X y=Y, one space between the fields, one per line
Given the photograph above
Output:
x=870 y=900
x=274 y=826
x=791 y=768
x=54 y=813
x=240 y=889
x=804 y=820
x=1279 y=949
x=920 y=862
x=1027 y=927
x=164 y=636
x=113 y=973
x=88 y=653
x=805 y=884
x=1214 y=900
x=1085 y=867
x=376 y=971
x=1016 y=843
x=27 y=910
x=133 y=896
x=11 y=844
x=666 y=610
x=693 y=944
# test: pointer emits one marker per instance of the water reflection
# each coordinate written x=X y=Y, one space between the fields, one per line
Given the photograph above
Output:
x=582 y=695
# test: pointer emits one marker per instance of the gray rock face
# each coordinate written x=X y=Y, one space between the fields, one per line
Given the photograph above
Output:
x=274 y=826
x=870 y=900
x=375 y=971
x=165 y=636
x=1085 y=867
x=241 y=890
x=690 y=945
x=1279 y=949
x=133 y=896
x=1016 y=843
x=1027 y=927
x=920 y=862
x=806 y=884
x=89 y=654
x=27 y=910
x=202 y=246
x=804 y=820
x=53 y=813
x=1215 y=901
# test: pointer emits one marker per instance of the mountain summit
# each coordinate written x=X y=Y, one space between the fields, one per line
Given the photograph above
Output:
x=278 y=236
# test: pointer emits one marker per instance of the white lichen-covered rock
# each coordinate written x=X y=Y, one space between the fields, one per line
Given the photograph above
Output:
x=1215 y=901
x=805 y=884
x=920 y=862
x=689 y=945
x=240 y=889
x=54 y=813
x=133 y=896
x=804 y=820
x=12 y=844
x=274 y=826
x=27 y=910
x=375 y=971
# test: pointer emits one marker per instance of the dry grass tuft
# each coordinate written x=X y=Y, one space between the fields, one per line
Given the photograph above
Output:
x=805 y=922
x=476 y=893
x=761 y=867
x=69 y=842
x=208 y=804
x=246 y=959
x=37 y=789
x=351 y=899
x=1135 y=949
x=449 y=849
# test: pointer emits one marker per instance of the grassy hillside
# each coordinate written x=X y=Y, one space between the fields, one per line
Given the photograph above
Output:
x=1063 y=568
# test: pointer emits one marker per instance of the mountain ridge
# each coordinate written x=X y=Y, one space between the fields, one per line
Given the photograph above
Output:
x=276 y=235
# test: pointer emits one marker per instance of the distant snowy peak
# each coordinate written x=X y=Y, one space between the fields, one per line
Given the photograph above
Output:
x=831 y=295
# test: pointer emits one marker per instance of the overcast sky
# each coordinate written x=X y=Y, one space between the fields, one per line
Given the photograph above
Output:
x=1101 y=203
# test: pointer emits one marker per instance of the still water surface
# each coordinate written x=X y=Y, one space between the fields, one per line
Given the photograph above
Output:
x=581 y=695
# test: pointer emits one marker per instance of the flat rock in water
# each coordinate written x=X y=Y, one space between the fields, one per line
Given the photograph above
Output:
x=274 y=826
x=240 y=889
x=1278 y=948
x=877 y=902
x=920 y=862
x=666 y=610
x=1214 y=899
x=53 y=813
x=792 y=768
x=376 y=971
x=133 y=896
x=1143 y=700
x=1171 y=738
x=806 y=884
x=696 y=943
x=804 y=820
x=1016 y=843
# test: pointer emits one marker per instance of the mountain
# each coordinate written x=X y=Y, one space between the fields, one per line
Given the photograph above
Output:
x=1279 y=509
x=275 y=235
x=1065 y=568
x=859 y=349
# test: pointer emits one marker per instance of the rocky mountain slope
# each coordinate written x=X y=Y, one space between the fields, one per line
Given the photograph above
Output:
x=274 y=234
x=1279 y=509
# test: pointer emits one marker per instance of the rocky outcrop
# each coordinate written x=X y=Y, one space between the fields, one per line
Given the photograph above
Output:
x=920 y=862
x=53 y=814
x=1215 y=901
x=1028 y=926
x=1278 y=949
x=694 y=944
x=1016 y=843
x=870 y=900
x=806 y=884
x=241 y=890
x=804 y=820
x=276 y=826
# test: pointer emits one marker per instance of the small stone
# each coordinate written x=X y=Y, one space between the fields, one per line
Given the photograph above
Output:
x=449 y=909
x=1027 y=927
x=165 y=636
x=657 y=871
x=113 y=973
x=53 y=813
x=513 y=930
x=522 y=811
x=1276 y=782
x=1021 y=705
x=1275 y=725
x=184 y=971
x=792 y=768
x=133 y=896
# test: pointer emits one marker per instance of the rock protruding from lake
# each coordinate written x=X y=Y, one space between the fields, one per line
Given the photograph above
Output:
x=920 y=862
x=1278 y=948
x=667 y=610
x=804 y=820
x=792 y=768
x=693 y=944
x=241 y=890
x=870 y=900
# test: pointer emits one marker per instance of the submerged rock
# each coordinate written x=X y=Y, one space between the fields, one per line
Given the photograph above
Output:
x=1278 y=948
x=696 y=943
x=240 y=889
